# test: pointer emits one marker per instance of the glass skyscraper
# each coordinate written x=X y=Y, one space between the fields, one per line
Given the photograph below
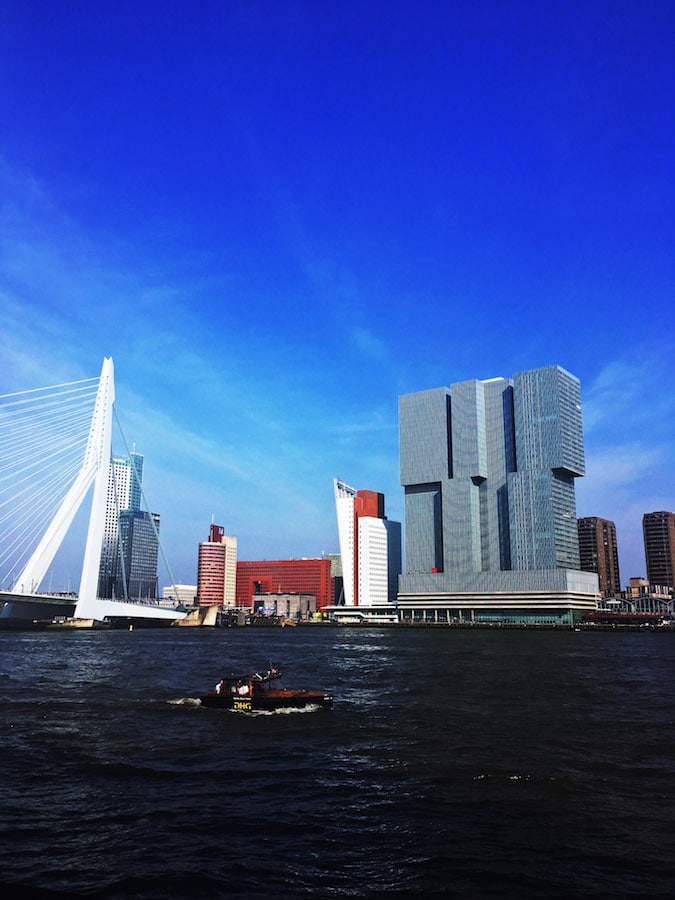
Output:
x=130 y=543
x=488 y=469
x=139 y=546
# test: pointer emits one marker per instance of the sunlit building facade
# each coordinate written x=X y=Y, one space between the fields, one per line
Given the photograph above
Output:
x=139 y=544
x=659 y=537
x=370 y=547
x=217 y=569
x=125 y=484
x=599 y=552
x=488 y=469
x=284 y=576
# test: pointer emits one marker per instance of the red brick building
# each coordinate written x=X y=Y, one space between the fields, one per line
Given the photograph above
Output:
x=598 y=552
x=301 y=576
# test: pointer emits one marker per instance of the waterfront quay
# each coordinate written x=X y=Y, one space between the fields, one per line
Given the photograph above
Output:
x=594 y=621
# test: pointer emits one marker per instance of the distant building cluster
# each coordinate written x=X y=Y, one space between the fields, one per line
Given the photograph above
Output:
x=599 y=553
x=364 y=574
x=258 y=585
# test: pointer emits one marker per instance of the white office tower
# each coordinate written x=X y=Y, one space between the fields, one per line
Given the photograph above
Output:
x=230 y=598
x=346 y=521
x=370 y=547
x=125 y=480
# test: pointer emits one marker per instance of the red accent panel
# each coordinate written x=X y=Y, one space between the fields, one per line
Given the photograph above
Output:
x=369 y=503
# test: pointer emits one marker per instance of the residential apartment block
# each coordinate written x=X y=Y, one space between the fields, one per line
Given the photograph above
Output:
x=599 y=553
x=659 y=536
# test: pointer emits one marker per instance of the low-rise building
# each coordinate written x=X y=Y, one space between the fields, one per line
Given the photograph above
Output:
x=181 y=594
x=285 y=605
x=284 y=576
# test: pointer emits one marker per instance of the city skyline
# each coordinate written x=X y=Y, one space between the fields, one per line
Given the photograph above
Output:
x=277 y=221
x=489 y=464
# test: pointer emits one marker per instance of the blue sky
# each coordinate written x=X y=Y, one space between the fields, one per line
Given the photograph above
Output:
x=276 y=217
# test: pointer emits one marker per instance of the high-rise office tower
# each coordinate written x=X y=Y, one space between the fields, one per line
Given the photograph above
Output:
x=598 y=552
x=659 y=535
x=125 y=481
x=370 y=547
x=139 y=543
x=217 y=570
x=488 y=469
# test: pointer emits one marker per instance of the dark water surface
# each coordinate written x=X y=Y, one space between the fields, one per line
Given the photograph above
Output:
x=455 y=763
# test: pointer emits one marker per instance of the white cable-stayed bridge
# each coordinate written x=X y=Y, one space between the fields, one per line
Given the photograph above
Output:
x=55 y=451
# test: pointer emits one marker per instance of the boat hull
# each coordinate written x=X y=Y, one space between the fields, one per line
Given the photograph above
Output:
x=268 y=700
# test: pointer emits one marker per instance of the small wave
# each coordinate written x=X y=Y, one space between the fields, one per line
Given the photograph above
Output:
x=186 y=701
x=514 y=777
x=285 y=711
x=519 y=776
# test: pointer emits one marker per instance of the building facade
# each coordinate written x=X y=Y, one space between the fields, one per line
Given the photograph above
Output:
x=336 y=575
x=139 y=545
x=281 y=576
x=125 y=485
x=286 y=606
x=217 y=570
x=370 y=547
x=599 y=552
x=659 y=536
x=642 y=597
x=181 y=594
x=488 y=469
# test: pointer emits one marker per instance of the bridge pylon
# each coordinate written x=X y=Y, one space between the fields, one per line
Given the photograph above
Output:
x=94 y=471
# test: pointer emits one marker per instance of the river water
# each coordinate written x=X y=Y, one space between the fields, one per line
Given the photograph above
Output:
x=454 y=763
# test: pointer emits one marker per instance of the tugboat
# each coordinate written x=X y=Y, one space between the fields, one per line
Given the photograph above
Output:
x=261 y=691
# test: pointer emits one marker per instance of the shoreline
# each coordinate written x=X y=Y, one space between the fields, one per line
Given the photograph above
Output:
x=413 y=626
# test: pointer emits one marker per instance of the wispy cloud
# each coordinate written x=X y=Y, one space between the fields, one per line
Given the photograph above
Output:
x=630 y=393
x=629 y=424
x=369 y=344
x=621 y=465
x=376 y=421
